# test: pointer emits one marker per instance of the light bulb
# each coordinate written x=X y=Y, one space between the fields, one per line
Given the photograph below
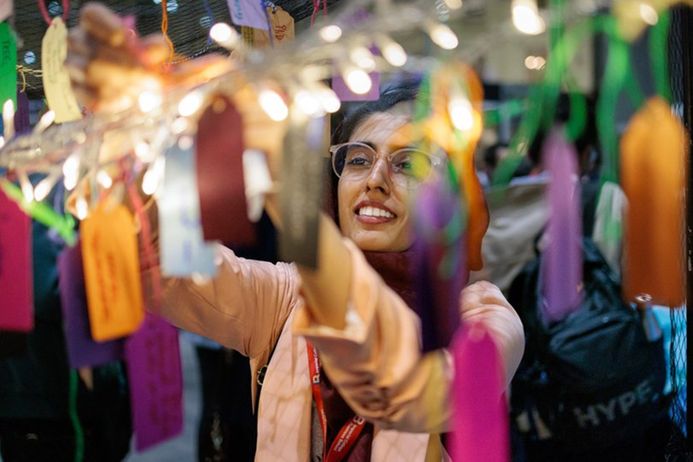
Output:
x=308 y=103
x=273 y=105
x=185 y=142
x=71 y=171
x=43 y=188
x=443 y=36
x=179 y=125
x=358 y=80
x=362 y=57
x=152 y=177
x=8 y=118
x=143 y=151
x=461 y=113
x=526 y=17
x=27 y=188
x=148 y=101
x=190 y=103
x=224 y=34
x=104 y=179
x=2 y=141
x=648 y=14
x=453 y=4
x=82 y=208
x=329 y=100
x=393 y=52
x=331 y=33
x=45 y=121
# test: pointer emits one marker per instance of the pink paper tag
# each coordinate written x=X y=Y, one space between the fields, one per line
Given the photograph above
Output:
x=342 y=90
x=156 y=385
x=16 y=274
x=480 y=417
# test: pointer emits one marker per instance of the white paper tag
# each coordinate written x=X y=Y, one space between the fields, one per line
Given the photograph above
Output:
x=56 y=81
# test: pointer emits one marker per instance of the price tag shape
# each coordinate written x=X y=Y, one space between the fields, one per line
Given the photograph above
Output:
x=16 y=273
x=156 y=384
x=112 y=273
x=56 y=81
x=182 y=247
x=8 y=64
x=282 y=29
x=82 y=350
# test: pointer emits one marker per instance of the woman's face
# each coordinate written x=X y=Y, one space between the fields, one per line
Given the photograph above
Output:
x=373 y=208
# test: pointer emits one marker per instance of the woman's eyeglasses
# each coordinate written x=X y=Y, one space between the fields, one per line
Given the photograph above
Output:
x=356 y=160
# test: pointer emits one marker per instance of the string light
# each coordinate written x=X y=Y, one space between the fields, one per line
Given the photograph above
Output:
x=273 y=105
x=104 y=179
x=148 y=101
x=526 y=17
x=308 y=103
x=453 y=4
x=535 y=62
x=190 y=103
x=461 y=113
x=143 y=151
x=358 y=80
x=224 y=35
x=443 y=36
x=45 y=121
x=392 y=51
x=152 y=177
x=648 y=14
x=71 y=171
x=27 y=189
x=362 y=57
x=179 y=125
x=328 y=99
x=8 y=119
x=43 y=188
x=330 y=33
x=82 y=208
x=2 y=141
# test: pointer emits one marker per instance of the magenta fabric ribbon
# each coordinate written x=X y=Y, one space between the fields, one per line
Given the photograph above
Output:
x=480 y=417
x=562 y=259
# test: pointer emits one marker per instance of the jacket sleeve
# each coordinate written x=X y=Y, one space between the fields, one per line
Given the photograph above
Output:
x=243 y=307
x=376 y=363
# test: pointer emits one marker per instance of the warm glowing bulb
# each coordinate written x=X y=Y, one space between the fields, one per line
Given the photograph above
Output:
x=273 y=105
x=526 y=17
x=2 y=141
x=329 y=100
x=104 y=179
x=71 y=171
x=27 y=189
x=443 y=36
x=357 y=80
x=363 y=58
x=179 y=125
x=82 y=208
x=152 y=178
x=393 y=52
x=143 y=151
x=44 y=187
x=8 y=118
x=190 y=103
x=148 y=101
x=45 y=121
x=648 y=14
x=461 y=113
x=331 y=33
x=308 y=103
x=453 y=4
x=185 y=142
x=223 y=34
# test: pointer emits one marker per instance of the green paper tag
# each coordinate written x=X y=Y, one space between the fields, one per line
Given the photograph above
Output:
x=8 y=64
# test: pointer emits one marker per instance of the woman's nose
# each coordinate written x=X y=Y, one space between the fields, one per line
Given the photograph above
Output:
x=379 y=176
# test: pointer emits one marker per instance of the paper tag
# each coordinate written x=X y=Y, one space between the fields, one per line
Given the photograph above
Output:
x=248 y=13
x=342 y=90
x=16 y=274
x=301 y=196
x=56 y=81
x=111 y=273
x=182 y=248
x=6 y=9
x=258 y=182
x=156 y=385
x=8 y=64
x=82 y=351
x=219 y=163
x=13 y=344
x=282 y=29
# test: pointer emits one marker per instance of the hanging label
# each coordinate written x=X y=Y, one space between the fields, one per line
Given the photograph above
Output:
x=301 y=195
x=248 y=13
x=182 y=248
x=282 y=27
x=111 y=273
x=8 y=64
x=56 y=81
x=219 y=162
x=6 y=9
x=345 y=94
x=13 y=344
x=82 y=351
x=16 y=274
x=156 y=385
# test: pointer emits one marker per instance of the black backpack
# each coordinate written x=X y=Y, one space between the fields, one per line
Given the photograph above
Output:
x=592 y=380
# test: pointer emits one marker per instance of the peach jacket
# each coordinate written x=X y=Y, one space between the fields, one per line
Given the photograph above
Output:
x=375 y=361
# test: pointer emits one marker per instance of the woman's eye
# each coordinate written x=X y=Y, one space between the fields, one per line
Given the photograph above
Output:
x=357 y=160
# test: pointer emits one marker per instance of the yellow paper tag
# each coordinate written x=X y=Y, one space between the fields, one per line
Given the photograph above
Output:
x=282 y=28
x=56 y=81
x=112 y=273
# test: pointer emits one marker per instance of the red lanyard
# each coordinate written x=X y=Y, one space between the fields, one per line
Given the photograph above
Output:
x=350 y=431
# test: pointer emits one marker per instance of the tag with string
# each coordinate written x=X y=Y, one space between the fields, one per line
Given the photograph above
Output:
x=479 y=417
x=56 y=81
x=183 y=250
x=16 y=273
x=111 y=272
x=219 y=167
x=6 y=9
x=562 y=259
x=282 y=29
x=8 y=64
x=654 y=149
x=249 y=13
x=301 y=190
x=156 y=383
x=82 y=350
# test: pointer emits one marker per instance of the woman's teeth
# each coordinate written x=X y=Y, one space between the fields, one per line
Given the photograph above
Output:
x=374 y=212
